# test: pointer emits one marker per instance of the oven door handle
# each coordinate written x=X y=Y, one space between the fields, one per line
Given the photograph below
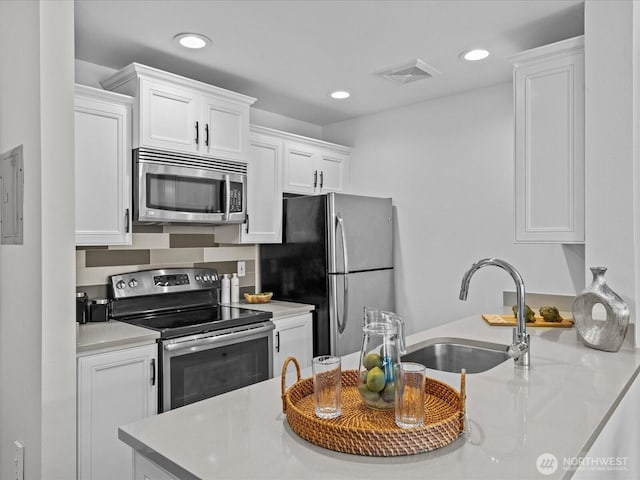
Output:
x=210 y=340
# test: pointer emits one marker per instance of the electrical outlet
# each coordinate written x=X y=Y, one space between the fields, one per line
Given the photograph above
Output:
x=18 y=460
x=241 y=269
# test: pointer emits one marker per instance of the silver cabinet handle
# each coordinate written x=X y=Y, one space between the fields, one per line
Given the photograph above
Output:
x=278 y=341
x=345 y=260
x=321 y=179
x=315 y=179
x=197 y=133
x=153 y=372
x=206 y=134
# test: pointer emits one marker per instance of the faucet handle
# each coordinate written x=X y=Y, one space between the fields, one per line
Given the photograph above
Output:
x=517 y=350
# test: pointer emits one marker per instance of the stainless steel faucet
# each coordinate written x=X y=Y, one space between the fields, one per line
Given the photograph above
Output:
x=519 y=350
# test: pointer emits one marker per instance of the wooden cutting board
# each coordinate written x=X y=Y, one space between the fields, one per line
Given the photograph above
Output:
x=510 y=320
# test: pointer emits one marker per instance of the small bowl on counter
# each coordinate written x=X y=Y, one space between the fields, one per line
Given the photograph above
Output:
x=262 y=297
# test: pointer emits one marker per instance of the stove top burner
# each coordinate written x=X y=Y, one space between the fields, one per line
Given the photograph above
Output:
x=190 y=322
x=176 y=302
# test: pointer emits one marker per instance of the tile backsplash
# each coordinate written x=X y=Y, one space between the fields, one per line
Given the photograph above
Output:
x=161 y=247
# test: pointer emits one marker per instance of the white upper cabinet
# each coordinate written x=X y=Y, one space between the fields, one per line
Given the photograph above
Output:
x=283 y=162
x=333 y=168
x=168 y=117
x=315 y=167
x=264 y=192
x=226 y=129
x=549 y=143
x=102 y=167
x=179 y=114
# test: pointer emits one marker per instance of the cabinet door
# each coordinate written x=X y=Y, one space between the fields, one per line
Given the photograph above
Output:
x=264 y=195
x=618 y=441
x=333 y=171
x=145 y=469
x=114 y=389
x=224 y=129
x=169 y=117
x=102 y=172
x=264 y=191
x=293 y=337
x=300 y=171
x=549 y=146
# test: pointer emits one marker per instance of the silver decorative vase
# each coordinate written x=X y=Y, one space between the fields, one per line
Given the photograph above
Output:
x=608 y=334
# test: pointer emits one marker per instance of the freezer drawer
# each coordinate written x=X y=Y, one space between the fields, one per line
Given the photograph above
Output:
x=373 y=288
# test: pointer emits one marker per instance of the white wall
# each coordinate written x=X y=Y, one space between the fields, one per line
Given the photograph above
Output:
x=57 y=192
x=37 y=327
x=448 y=165
x=611 y=151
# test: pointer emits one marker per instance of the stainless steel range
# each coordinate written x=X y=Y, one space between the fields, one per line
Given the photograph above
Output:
x=204 y=349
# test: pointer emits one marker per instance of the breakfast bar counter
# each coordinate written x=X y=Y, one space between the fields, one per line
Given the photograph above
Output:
x=557 y=408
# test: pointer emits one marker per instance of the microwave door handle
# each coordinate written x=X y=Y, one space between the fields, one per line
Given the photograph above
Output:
x=227 y=197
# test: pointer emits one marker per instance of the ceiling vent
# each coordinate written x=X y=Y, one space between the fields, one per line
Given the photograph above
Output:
x=409 y=72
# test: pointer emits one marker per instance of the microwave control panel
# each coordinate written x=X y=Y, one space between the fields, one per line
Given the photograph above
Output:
x=235 y=205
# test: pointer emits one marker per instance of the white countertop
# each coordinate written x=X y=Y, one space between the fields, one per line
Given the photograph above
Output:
x=278 y=308
x=104 y=336
x=559 y=405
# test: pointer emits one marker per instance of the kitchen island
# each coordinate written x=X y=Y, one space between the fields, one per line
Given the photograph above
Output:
x=558 y=406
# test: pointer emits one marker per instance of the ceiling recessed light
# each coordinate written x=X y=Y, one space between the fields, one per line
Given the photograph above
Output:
x=474 y=55
x=192 y=40
x=340 y=94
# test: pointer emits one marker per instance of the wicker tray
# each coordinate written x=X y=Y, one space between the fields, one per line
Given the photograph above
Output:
x=363 y=431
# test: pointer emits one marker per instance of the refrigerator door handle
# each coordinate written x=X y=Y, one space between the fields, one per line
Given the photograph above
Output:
x=345 y=259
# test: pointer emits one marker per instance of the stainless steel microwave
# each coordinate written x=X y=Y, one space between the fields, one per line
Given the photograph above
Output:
x=172 y=187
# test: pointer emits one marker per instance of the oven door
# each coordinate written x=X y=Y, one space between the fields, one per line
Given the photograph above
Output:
x=176 y=193
x=206 y=365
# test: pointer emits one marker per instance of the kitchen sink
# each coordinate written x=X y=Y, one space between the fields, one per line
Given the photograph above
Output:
x=454 y=354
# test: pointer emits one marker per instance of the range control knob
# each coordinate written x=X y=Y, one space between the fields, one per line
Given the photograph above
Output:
x=120 y=285
x=133 y=283
x=198 y=278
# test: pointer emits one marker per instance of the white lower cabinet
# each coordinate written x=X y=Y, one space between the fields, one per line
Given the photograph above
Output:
x=114 y=388
x=614 y=453
x=292 y=337
x=147 y=470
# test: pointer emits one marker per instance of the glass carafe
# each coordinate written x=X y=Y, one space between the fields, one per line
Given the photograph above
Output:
x=382 y=345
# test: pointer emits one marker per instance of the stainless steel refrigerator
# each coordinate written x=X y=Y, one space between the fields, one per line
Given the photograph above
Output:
x=337 y=254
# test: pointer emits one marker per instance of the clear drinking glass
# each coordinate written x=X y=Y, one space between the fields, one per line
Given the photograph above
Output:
x=409 y=388
x=327 y=386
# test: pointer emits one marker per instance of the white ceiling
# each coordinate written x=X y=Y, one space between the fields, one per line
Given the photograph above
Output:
x=291 y=53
